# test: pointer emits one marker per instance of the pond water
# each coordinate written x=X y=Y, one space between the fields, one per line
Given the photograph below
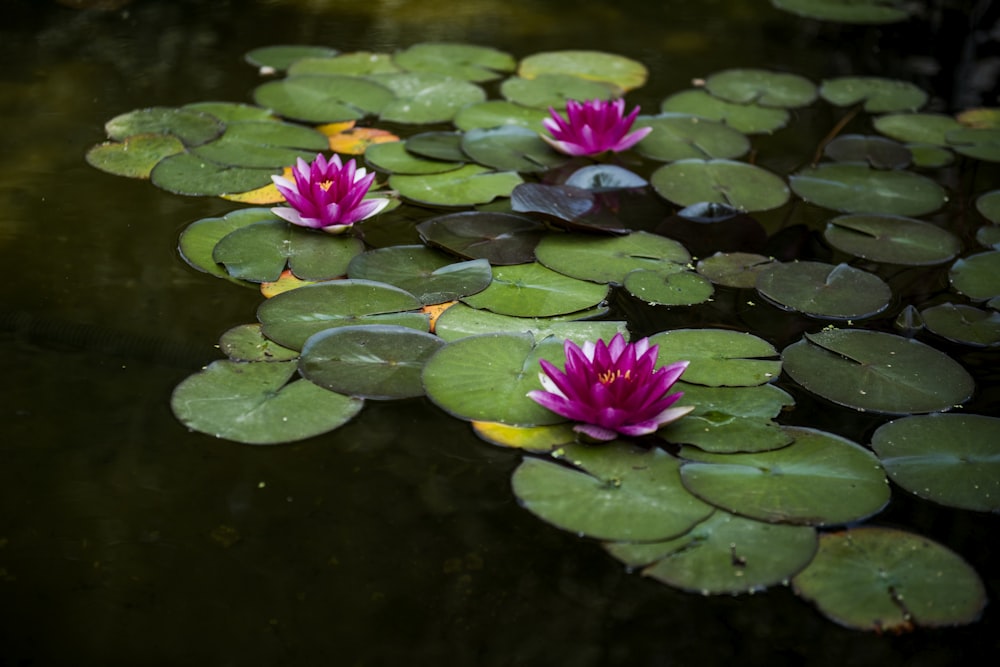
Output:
x=125 y=539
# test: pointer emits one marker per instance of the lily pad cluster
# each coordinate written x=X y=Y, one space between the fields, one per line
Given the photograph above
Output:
x=495 y=249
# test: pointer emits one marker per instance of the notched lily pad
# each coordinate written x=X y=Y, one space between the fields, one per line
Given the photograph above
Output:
x=608 y=259
x=848 y=11
x=193 y=128
x=532 y=290
x=466 y=186
x=461 y=61
x=501 y=238
x=879 y=152
x=892 y=239
x=856 y=188
x=719 y=357
x=822 y=290
x=977 y=276
x=426 y=97
x=134 y=157
x=682 y=137
x=609 y=68
x=733 y=269
x=743 y=186
x=963 y=324
x=747 y=118
x=554 y=90
x=429 y=275
x=511 y=148
x=879 y=95
x=323 y=99
x=763 y=87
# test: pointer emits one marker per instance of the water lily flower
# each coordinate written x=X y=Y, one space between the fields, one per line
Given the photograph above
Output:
x=611 y=388
x=593 y=127
x=327 y=195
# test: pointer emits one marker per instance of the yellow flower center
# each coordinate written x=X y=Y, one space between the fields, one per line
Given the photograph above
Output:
x=326 y=185
x=609 y=376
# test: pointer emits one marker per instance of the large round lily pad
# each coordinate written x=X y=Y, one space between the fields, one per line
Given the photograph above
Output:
x=466 y=186
x=748 y=118
x=611 y=492
x=532 y=290
x=496 y=113
x=426 y=97
x=963 y=324
x=431 y=276
x=723 y=554
x=743 y=186
x=880 y=372
x=892 y=239
x=952 y=459
x=888 y=580
x=459 y=321
x=923 y=128
x=262 y=144
x=554 y=90
x=510 y=148
x=197 y=242
x=501 y=238
x=880 y=95
x=682 y=136
x=668 y=287
x=763 y=87
x=719 y=357
x=879 y=152
x=820 y=479
x=609 y=68
x=461 y=61
x=608 y=259
x=857 y=188
x=733 y=269
x=193 y=128
x=189 y=174
x=323 y=99
x=253 y=403
x=822 y=290
x=977 y=276
x=393 y=157
x=134 y=157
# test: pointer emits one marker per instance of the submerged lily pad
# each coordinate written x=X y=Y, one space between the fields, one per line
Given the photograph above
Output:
x=429 y=275
x=817 y=289
x=532 y=290
x=963 y=324
x=763 y=87
x=369 y=361
x=610 y=68
x=880 y=372
x=612 y=492
x=977 y=276
x=501 y=238
x=820 y=479
x=461 y=61
x=465 y=186
x=879 y=95
x=893 y=239
x=723 y=554
x=255 y=404
x=608 y=259
x=743 y=186
x=719 y=357
x=856 y=188
x=888 y=580
x=748 y=118
x=848 y=11
x=951 y=459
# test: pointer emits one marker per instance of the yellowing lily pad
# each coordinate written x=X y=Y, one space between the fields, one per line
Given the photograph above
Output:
x=619 y=71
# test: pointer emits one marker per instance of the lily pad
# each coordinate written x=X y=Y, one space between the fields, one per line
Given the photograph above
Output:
x=501 y=238
x=930 y=157
x=989 y=236
x=488 y=377
x=511 y=148
x=461 y=61
x=847 y=11
x=532 y=290
x=977 y=276
x=426 y=97
x=193 y=128
x=880 y=95
x=292 y=317
x=817 y=289
x=357 y=63
x=988 y=205
x=733 y=269
x=262 y=144
x=229 y=112
x=879 y=152
x=878 y=372
x=189 y=174
x=668 y=287
x=951 y=459
x=820 y=479
x=554 y=90
x=459 y=321
x=369 y=361
x=466 y=186
x=610 y=68
x=394 y=158
x=856 y=188
x=612 y=492
x=279 y=57
x=438 y=146
x=963 y=324
x=253 y=403
x=892 y=239
x=605 y=178
x=763 y=87
x=495 y=113
x=747 y=118
x=888 y=580
x=246 y=342
x=719 y=357
x=197 y=242
x=608 y=259
x=571 y=206
x=738 y=184
x=323 y=99
x=981 y=144
x=134 y=157
x=431 y=276
x=682 y=136
x=723 y=554
x=923 y=128
x=527 y=438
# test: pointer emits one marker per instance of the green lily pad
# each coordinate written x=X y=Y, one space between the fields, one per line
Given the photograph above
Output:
x=608 y=259
x=746 y=118
x=723 y=554
x=323 y=99
x=878 y=372
x=988 y=205
x=743 y=186
x=357 y=63
x=879 y=152
x=532 y=290
x=733 y=269
x=682 y=136
x=460 y=321
x=197 y=242
x=501 y=238
x=879 y=95
x=668 y=287
x=193 y=128
x=369 y=361
x=817 y=289
x=511 y=148
x=431 y=276
x=887 y=580
x=951 y=459
x=134 y=157
x=989 y=236
x=856 y=188
x=719 y=357
x=438 y=146
x=189 y=174
x=847 y=11
x=253 y=403
x=246 y=342
x=977 y=276
x=461 y=61
x=292 y=317
x=930 y=157
x=229 y=112
x=923 y=128
x=892 y=239
x=763 y=87
x=554 y=90
x=281 y=56
x=612 y=492
x=963 y=324
x=262 y=144
x=621 y=72
x=426 y=97
x=393 y=157
x=981 y=144
x=488 y=377
x=495 y=113
x=466 y=186
x=820 y=479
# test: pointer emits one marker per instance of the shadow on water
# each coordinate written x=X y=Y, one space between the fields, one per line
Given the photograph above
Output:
x=126 y=540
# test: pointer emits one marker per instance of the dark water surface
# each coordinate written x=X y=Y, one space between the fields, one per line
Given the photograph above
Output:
x=127 y=540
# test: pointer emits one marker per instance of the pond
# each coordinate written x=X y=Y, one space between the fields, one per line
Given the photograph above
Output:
x=128 y=538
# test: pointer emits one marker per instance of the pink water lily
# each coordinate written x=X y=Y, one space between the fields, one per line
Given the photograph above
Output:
x=611 y=388
x=593 y=127
x=327 y=195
